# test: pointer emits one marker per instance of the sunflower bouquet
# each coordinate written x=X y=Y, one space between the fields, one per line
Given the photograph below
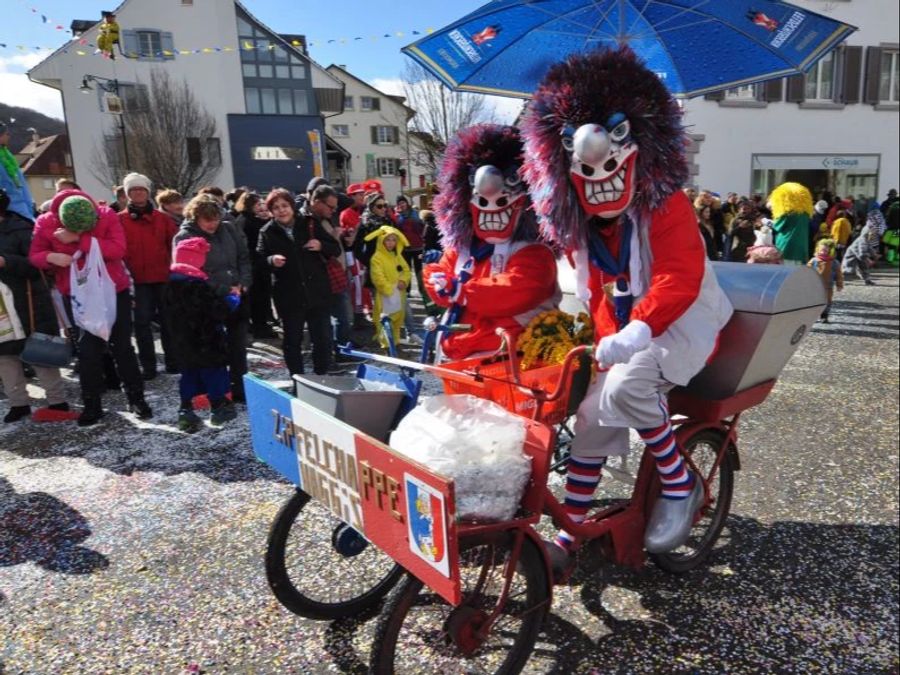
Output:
x=551 y=335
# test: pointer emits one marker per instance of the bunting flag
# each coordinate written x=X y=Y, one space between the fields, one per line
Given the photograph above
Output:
x=245 y=46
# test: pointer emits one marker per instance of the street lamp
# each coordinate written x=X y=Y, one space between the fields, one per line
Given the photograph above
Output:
x=111 y=86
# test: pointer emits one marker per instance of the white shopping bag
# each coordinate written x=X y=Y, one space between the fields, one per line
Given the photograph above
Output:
x=391 y=304
x=93 y=294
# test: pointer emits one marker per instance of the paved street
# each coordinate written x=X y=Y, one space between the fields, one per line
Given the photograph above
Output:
x=131 y=547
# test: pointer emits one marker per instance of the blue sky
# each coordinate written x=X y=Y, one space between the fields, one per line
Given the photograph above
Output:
x=377 y=61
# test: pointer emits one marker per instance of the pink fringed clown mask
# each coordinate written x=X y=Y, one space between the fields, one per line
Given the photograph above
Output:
x=602 y=135
x=482 y=192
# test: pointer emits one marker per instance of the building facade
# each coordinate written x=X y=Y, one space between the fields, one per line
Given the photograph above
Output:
x=43 y=162
x=267 y=96
x=373 y=127
x=835 y=128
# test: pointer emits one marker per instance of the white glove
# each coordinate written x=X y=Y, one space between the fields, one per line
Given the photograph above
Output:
x=438 y=281
x=619 y=348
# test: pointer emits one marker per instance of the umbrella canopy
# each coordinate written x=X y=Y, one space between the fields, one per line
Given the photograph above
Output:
x=695 y=46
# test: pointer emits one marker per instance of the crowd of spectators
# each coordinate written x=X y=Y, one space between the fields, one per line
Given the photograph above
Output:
x=204 y=273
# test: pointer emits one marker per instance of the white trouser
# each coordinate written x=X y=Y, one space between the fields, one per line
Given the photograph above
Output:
x=629 y=396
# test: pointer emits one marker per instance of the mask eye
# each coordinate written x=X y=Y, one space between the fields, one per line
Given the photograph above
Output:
x=620 y=133
x=568 y=138
x=513 y=180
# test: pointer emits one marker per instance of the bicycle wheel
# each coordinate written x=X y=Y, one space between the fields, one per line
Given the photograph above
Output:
x=321 y=568
x=419 y=632
x=703 y=448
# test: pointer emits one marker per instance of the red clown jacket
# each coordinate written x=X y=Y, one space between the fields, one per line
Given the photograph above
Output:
x=677 y=296
x=498 y=295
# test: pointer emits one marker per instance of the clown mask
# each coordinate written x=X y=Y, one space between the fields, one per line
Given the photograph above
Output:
x=498 y=199
x=602 y=169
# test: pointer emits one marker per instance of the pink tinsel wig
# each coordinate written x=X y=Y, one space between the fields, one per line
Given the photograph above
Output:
x=589 y=89
x=500 y=146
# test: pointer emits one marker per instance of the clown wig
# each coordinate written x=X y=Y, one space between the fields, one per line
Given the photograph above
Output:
x=590 y=89
x=790 y=198
x=500 y=146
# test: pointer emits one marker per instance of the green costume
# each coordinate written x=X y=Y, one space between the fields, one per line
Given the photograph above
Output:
x=792 y=236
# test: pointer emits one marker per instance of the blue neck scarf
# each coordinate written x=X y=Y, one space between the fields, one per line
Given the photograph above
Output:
x=623 y=300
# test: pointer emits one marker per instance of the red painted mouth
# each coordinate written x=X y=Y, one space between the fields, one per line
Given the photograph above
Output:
x=610 y=196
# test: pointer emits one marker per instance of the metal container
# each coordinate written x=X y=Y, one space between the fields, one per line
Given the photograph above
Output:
x=774 y=308
x=367 y=405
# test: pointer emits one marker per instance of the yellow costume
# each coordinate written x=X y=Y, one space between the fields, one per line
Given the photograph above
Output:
x=386 y=269
x=109 y=37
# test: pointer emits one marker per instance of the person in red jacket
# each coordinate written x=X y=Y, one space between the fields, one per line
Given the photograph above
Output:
x=493 y=273
x=606 y=150
x=148 y=235
x=61 y=234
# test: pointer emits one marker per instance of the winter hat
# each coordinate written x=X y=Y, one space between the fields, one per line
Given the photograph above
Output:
x=189 y=258
x=355 y=188
x=821 y=207
x=78 y=214
x=402 y=198
x=314 y=183
x=136 y=180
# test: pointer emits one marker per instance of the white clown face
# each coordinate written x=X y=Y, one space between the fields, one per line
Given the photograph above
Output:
x=603 y=165
x=497 y=202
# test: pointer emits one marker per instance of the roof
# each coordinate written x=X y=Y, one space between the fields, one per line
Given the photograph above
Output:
x=46 y=156
x=396 y=99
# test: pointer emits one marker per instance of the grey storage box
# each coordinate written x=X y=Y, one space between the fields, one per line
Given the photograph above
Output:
x=366 y=405
x=774 y=308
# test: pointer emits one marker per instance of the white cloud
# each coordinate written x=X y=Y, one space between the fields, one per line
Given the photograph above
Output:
x=507 y=109
x=17 y=90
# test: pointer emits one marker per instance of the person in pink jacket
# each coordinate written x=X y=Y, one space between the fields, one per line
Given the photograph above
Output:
x=73 y=221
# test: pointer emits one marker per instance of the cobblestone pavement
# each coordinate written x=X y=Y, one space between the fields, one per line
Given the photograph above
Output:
x=131 y=547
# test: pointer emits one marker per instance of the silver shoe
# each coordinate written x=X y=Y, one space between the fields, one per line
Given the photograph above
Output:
x=670 y=523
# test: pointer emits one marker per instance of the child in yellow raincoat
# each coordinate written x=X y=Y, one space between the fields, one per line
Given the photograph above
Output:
x=390 y=275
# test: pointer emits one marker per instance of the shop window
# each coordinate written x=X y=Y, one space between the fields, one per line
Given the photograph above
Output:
x=887 y=81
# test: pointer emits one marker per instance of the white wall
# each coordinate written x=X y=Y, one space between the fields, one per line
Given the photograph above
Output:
x=219 y=89
x=733 y=135
x=359 y=144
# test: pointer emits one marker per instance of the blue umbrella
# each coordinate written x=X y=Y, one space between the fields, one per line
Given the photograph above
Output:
x=695 y=46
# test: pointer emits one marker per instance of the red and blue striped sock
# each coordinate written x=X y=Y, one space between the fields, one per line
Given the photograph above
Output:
x=677 y=481
x=581 y=480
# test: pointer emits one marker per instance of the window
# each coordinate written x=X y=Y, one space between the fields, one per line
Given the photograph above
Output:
x=268 y=101
x=277 y=153
x=340 y=130
x=748 y=92
x=388 y=167
x=348 y=103
x=285 y=102
x=298 y=72
x=47 y=183
x=385 y=135
x=251 y=99
x=283 y=72
x=301 y=102
x=214 y=151
x=249 y=70
x=149 y=43
x=209 y=149
x=135 y=97
x=194 y=152
x=820 y=80
x=369 y=103
x=187 y=3
x=887 y=83
x=265 y=70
